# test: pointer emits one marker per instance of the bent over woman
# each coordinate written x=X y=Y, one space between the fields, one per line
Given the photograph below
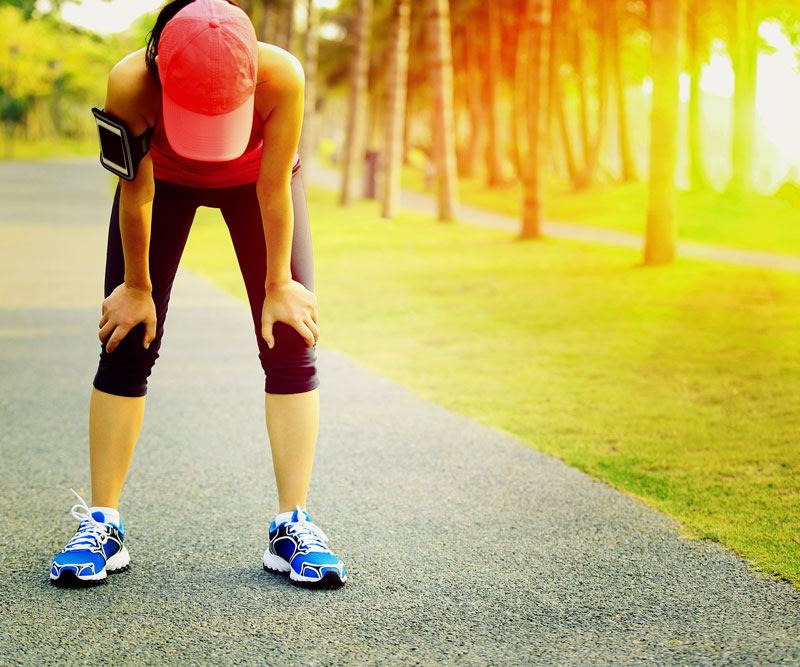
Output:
x=205 y=115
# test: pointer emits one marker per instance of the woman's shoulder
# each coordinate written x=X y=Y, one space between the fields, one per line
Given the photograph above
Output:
x=277 y=63
x=132 y=94
x=280 y=77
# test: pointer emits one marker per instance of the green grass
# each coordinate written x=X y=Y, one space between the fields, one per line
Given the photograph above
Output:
x=754 y=222
x=49 y=149
x=679 y=385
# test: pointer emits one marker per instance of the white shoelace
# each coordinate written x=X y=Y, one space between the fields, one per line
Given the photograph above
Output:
x=310 y=535
x=90 y=531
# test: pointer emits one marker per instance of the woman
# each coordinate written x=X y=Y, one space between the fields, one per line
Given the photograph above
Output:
x=225 y=114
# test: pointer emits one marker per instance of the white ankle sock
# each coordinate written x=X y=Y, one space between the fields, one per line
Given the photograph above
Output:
x=283 y=517
x=110 y=515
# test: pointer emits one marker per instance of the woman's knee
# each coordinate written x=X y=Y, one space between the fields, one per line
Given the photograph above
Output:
x=290 y=366
x=125 y=371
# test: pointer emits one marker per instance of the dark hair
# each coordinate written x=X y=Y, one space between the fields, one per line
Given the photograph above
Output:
x=167 y=12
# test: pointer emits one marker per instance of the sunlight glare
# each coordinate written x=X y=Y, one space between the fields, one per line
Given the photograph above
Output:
x=778 y=94
x=684 y=87
x=107 y=17
x=717 y=77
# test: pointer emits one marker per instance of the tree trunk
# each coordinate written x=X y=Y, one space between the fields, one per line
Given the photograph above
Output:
x=697 y=171
x=552 y=74
x=356 y=112
x=396 y=105
x=744 y=100
x=440 y=62
x=593 y=155
x=519 y=119
x=256 y=10
x=408 y=115
x=580 y=43
x=308 y=139
x=269 y=28
x=8 y=136
x=558 y=33
x=289 y=24
x=280 y=15
x=661 y=223
x=537 y=24
x=477 y=113
x=493 y=75
x=375 y=127
x=628 y=167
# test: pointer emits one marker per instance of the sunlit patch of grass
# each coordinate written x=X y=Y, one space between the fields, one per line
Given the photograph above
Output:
x=680 y=385
x=752 y=222
x=48 y=149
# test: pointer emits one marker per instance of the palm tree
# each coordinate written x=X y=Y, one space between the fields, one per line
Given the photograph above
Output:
x=576 y=16
x=593 y=147
x=396 y=105
x=356 y=112
x=262 y=15
x=519 y=101
x=288 y=24
x=559 y=37
x=625 y=153
x=440 y=62
x=666 y=29
x=745 y=58
x=697 y=171
x=493 y=76
x=473 y=90
x=308 y=138
x=537 y=25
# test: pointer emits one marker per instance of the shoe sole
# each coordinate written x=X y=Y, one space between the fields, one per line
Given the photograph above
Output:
x=119 y=562
x=277 y=565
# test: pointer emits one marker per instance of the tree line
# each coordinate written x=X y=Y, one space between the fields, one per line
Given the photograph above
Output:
x=51 y=73
x=495 y=89
x=538 y=86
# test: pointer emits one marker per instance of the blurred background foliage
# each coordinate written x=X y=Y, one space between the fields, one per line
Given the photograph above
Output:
x=51 y=72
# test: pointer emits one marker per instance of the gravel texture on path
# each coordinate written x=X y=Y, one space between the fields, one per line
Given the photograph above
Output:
x=463 y=545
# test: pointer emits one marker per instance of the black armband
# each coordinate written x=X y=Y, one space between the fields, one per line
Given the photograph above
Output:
x=120 y=152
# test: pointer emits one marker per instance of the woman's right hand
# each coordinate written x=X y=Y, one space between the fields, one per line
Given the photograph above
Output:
x=124 y=308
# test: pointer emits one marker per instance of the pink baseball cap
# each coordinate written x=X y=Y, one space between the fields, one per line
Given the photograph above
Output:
x=207 y=63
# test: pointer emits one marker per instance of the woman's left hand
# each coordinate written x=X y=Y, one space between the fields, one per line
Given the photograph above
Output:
x=293 y=304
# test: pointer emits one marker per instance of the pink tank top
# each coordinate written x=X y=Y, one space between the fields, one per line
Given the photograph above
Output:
x=173 y=168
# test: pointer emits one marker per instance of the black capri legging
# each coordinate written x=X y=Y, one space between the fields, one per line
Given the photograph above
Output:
x=290 y=366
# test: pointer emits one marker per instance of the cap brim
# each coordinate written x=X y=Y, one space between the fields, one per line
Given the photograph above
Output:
x=208 y=138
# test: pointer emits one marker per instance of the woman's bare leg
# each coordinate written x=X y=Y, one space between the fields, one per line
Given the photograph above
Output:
x=114 y=426
x=292 y=424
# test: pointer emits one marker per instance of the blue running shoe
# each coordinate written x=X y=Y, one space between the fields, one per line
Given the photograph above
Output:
x=297 y=548
x=95 y=551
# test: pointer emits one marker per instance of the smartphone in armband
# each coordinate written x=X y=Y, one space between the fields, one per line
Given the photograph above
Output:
x=120 y=151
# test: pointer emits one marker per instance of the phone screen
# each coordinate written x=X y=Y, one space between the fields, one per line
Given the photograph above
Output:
x=113 y=149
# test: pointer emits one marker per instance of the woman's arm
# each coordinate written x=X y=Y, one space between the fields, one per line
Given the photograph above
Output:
x=131 y=302
x=286 y=300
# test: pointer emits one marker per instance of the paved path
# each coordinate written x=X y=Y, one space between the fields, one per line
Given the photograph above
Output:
x=464 y=546
x=331 y=179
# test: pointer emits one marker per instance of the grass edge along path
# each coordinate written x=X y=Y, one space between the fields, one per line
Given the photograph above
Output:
x=706 y=217
x=677 y=385
x=751 y=222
